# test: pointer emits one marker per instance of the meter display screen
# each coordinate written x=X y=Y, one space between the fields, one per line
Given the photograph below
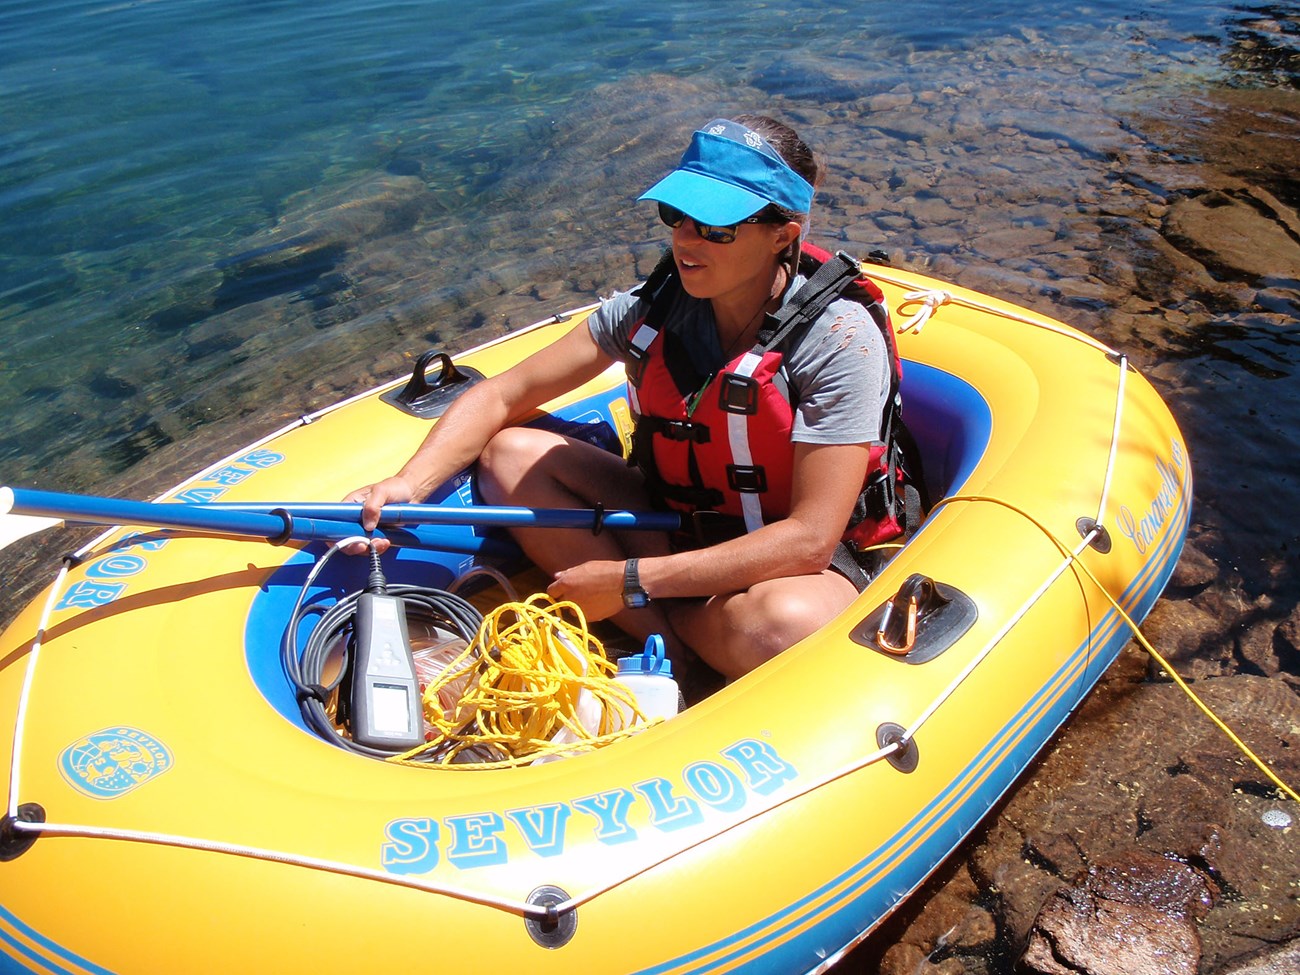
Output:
x=389 y=709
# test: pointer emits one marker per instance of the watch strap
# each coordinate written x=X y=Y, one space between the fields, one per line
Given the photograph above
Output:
x=634 y=594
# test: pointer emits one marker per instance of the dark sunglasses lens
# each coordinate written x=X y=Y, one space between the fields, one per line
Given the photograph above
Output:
x=671 y=216
x=674 y=218
x=716 y=235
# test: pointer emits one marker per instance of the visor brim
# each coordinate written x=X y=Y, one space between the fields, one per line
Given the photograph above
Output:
x=704 y=199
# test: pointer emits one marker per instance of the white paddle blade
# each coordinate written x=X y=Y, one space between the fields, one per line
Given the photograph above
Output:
x=14 y=527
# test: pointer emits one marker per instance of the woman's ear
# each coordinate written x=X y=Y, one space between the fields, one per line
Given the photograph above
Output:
x=786 y=235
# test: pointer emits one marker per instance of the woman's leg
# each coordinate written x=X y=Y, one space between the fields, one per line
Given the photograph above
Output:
x=735 y=632
x=540 y=469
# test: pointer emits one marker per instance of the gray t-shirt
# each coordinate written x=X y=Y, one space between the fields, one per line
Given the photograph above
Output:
x=839 y=371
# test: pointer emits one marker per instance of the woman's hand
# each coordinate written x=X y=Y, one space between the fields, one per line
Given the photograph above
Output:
x=597 y=587
x=372 y=498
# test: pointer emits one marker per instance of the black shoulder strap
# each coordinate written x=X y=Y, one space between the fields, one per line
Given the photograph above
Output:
x=827 y=283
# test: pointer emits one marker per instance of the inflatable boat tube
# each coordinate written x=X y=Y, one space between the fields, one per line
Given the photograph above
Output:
x=168 y=810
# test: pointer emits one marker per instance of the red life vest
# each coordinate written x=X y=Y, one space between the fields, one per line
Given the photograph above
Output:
x=722 y=442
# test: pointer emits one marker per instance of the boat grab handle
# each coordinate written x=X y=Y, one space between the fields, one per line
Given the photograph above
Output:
x=427 y=397
x=918 y=622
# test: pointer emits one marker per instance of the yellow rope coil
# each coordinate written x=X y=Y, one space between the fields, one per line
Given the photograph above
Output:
x=537 y=685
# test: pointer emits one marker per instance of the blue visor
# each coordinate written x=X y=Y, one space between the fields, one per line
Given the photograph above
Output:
x=729 y=173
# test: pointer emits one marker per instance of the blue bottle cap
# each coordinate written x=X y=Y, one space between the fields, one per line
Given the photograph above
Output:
x=649 y=661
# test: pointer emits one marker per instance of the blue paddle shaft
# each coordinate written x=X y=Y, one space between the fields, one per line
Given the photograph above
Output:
x=405 y=523
x=219 y=520
x=485 y=516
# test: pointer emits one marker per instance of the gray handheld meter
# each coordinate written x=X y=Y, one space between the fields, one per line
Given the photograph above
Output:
x=386 y=706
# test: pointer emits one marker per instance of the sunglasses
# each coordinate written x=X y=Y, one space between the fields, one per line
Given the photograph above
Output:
x=673 y=217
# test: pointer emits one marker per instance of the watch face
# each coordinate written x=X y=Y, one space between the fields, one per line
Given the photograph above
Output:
x=636 y=599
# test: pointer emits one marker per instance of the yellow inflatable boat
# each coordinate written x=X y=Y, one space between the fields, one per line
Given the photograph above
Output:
x=168 y=809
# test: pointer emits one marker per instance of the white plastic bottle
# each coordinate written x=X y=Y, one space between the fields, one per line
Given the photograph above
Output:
x=649 y=675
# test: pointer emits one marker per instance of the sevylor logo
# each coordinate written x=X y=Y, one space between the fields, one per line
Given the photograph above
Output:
x=417 y=844
x=1173 y=476
x=110 y=763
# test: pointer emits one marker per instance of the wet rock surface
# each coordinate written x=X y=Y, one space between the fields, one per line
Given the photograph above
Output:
x=1128 y=848
x=1163 y=223
x=1135 y=917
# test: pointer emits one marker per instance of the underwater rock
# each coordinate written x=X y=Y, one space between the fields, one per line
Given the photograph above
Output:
x=1112 y=793
x=110 y=386
x=815 y=79
x=1133 y=914
x=1282 y=960
x=1189 y=638
x=1289 y=633
x=1194 y=570
x=1261 y=649
x=947 y=926
x=1229 y=230
x=313 y=239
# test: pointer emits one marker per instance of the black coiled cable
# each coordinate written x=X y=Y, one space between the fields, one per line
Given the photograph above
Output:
x=426 y=605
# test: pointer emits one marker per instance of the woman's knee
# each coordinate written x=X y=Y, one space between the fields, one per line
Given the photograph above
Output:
x=527 y=463
x=509 y=457
x=773 y=617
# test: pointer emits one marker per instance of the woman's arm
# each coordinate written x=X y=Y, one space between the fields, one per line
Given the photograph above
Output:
x=827 y=481
x=460 y=435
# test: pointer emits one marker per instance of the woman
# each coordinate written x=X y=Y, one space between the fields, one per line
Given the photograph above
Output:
x=738 y=206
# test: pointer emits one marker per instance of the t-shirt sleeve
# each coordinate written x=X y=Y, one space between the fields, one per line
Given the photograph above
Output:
x=841 y=374
x=611 y=323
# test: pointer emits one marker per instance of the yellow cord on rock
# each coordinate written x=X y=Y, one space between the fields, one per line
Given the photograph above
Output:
x=1137 y=635
x=537 y=684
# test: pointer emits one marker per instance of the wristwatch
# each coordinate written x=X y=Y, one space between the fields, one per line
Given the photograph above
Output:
x=634 y=597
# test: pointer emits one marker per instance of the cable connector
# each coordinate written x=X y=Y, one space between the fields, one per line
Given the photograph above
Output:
x=377 y=583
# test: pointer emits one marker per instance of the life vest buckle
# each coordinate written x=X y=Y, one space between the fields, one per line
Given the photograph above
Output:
x=746 y=478
x=738 y=394
x=684 y=430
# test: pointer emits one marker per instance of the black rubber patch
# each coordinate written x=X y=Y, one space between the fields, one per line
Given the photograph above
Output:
x=15 y=842
x=429 y=396
x=937 y=628
x=906 y=759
